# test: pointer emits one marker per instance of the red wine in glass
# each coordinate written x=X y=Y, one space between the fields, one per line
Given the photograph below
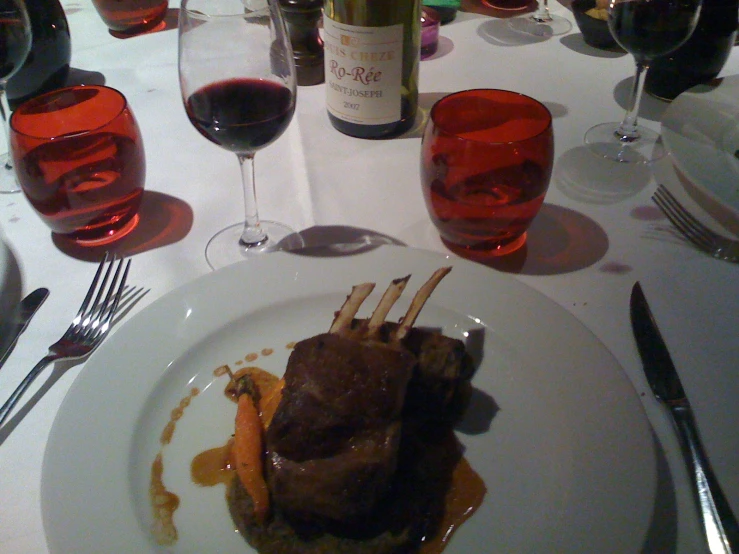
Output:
x=15 y=42
x=238 y=84
x=646 y=29
x=241 y=115
x=651 y=29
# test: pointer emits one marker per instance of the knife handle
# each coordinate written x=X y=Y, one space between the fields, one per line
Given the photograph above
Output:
x=719 y=523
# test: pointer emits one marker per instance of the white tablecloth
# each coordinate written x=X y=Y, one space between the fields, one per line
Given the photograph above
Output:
x=597 y=234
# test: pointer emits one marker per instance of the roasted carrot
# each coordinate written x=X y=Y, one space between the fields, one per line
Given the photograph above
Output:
x=247 y=453
x=269 y=402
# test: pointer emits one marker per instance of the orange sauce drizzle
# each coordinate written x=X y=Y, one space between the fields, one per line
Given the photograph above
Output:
x=462 y=500
x=163 y=504
x=175 y=416
x=213 y=467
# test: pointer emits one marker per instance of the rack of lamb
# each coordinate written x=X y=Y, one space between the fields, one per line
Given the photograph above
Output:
x=343 y=450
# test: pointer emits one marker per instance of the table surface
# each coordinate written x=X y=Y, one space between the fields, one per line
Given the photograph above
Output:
x=597 y=234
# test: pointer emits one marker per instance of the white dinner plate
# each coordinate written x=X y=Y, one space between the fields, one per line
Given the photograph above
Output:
x=700 y=129
x=567 y=456
x=10 y=292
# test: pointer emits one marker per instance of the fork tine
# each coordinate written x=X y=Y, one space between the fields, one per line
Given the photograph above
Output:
x=91 y=291
x=678 y=220
x=686 y=231
x=689 y=218
x=114 y=297
x=102 y=308
x=94 y=311
x=97 y=322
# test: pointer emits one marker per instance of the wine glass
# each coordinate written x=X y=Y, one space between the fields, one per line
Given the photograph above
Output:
x=647 y=29
x=15 y=43
x=541 y=23
x=237 y=78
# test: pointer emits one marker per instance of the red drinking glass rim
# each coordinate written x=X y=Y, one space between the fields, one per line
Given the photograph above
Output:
x=484 y=94
x=38 y=119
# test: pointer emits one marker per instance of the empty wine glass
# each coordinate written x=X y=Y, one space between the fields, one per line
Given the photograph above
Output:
x=647 y=29
x=15 y=42
x=237 y=78
x=541 y=23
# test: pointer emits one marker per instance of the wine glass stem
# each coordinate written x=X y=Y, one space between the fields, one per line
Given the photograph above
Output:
x=628 y=130
x=253 y=234
x=542 y=12
x=5 y=109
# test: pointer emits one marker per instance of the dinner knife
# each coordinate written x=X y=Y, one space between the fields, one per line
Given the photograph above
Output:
x=28 y=307
x=719 y=523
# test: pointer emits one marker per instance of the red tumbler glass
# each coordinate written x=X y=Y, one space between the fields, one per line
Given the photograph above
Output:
x=79 y=159
x=486 y=161
x=131 y=17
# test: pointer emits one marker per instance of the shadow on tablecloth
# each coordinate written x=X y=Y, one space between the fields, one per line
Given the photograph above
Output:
x=163 y=220
x=330 y=241
x=559 y=241
x=662 y=533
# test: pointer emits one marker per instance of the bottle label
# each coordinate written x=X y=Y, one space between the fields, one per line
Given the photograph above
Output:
x=364 y=67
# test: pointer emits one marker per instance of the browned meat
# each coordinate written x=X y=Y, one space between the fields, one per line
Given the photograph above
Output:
x=441 y=375
x=413 y=508
x=333 y=442
x=336 y=389
x=345 y=486
x=441 y=379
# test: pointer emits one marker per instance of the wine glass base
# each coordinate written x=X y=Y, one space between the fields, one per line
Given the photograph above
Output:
x=8 y=182
x=604 y=140
x=540 y=27
x=225 y=247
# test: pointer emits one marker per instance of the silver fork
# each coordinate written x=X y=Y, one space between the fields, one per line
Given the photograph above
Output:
x=88 y=328
x=692 y=229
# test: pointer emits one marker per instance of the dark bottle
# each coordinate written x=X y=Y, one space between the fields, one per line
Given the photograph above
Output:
x=702 y=57
x=302 y=18
x=47 y=64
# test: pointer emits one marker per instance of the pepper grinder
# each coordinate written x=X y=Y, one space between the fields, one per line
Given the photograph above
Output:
x=302 y=18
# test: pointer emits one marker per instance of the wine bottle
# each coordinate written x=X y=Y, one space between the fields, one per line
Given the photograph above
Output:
x=702 y=57
x=302 y=18
x=47 y=64
x=447 y=8
x=372 y=50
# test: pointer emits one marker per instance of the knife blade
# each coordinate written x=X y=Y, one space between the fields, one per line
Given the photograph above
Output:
x=658 y=367
x=719 y=524
x=28 y=307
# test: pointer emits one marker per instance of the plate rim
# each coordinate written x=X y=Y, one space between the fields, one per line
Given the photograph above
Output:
x=673 y=112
